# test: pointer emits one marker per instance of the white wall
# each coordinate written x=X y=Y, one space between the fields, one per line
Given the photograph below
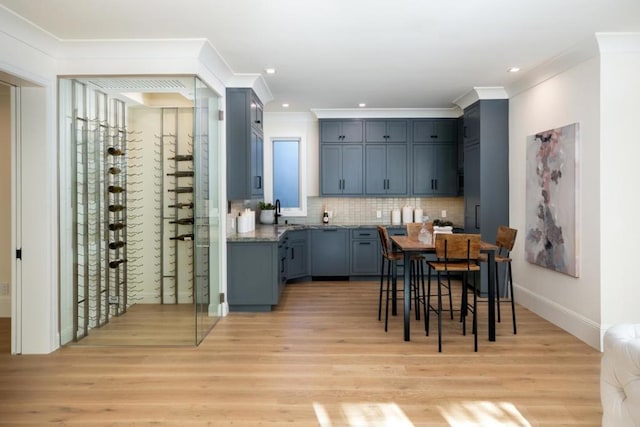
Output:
x=298 y=125
x=23 y=55
x=569 y=97
x=619 y=177
x=5 y=198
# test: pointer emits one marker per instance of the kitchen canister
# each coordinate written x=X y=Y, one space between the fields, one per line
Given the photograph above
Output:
x=395 y=217
x=417 y=215
x=407 y=214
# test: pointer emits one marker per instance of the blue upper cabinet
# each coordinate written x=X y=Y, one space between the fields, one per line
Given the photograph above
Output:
x=386 y=170
x=348 y=131
x=435 y=130
x=341 y=169
x=385 y=131
x=244 y=145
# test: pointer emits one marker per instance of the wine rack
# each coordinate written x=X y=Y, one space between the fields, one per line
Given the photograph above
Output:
x=178 y=210
x=99 y=198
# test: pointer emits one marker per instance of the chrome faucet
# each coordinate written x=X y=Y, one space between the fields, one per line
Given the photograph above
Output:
x=277 y=212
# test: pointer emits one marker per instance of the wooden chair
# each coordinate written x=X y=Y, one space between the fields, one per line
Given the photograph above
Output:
x=456 y=253
x=413 y=231
x=390 y=259
x=505 y=240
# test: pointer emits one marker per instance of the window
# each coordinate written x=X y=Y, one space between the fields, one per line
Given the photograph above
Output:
x=288 y=181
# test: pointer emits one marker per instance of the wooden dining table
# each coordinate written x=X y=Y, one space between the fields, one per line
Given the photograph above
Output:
x=412 y=246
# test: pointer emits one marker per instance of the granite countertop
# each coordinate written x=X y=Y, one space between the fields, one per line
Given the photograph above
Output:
x=273 y=233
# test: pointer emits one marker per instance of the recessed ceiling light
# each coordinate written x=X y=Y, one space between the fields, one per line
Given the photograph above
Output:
x=513 y=69
x=285 y=105
x=362 y=104
x=270 y=70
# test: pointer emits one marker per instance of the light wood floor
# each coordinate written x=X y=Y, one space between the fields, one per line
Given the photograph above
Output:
x=147 y=324
x=322 y=358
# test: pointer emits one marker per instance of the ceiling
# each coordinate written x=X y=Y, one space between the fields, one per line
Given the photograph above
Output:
x=335 y=54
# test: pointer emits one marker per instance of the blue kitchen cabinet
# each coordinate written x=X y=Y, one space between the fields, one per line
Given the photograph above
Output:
x=386 y=169
x=365 y=252
x=344 y=131
x=435 y=169
x=377 y=131
x=244 y=145
x=435 y=130
x=254 y=282
x=330 y=252
x=341 y=169
x=298 y=254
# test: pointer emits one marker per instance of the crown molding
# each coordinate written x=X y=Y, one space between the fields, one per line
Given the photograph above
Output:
x=581 y=52
x=478 y=93
x=387 y=113
x=618 y=42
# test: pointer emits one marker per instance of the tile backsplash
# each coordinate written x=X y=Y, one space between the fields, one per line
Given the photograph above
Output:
x=363 y=211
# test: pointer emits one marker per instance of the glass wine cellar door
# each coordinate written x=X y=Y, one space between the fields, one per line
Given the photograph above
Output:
x=141 y=180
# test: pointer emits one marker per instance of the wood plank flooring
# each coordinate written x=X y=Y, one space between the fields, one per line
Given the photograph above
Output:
x=321 y=358
x=147 y=324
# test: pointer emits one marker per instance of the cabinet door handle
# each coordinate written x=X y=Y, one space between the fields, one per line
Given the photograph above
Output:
x=477 y=211
x=464 y=131
x=432 y=184
x=364 y=243
x=293 y=253
x=434 y=136
x=329 y=229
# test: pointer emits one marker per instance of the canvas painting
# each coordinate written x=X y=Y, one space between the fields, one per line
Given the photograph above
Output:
x=551 y=193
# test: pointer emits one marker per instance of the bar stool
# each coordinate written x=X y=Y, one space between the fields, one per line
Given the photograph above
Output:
x=505 y=240
x=456 y=253
x=390 y=259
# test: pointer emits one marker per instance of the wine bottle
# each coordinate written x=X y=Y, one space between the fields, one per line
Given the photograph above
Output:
x=115 y=151
x=116 y=226
x=116 y=245
x=116 y=208
x=114 y=170
x=181 y=174
x=183 y=237
x=182 y=221
x=181 y=190
x=116 y=263
x=115 y=189
x=182 y=157
x=182 y=205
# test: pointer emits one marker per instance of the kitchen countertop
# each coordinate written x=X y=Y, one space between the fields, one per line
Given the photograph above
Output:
x=273 y=233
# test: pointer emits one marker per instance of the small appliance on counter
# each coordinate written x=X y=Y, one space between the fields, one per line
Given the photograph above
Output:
x=407 y=214
x=395 y=217
x=246 y=221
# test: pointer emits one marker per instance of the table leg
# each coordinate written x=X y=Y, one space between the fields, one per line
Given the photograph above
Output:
x=491 y=265
x=407 y=294
x=394 y=289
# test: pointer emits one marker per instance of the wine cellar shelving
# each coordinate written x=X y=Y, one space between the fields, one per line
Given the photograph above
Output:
x=100 y=139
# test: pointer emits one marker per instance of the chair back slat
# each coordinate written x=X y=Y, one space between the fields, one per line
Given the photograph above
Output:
x=506 y=238
x=457 y=246
x=385 y=242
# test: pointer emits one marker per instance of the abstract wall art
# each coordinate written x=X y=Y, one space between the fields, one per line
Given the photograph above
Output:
x=551 y=199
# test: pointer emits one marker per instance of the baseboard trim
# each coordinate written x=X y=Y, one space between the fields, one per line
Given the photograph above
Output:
x=576 y=324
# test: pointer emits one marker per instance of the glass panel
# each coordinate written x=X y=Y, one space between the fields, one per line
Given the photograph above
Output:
x=142 y=181
x=286 y=176
x=207 y=219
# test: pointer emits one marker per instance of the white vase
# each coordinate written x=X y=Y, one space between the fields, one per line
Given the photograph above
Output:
x=267 y=216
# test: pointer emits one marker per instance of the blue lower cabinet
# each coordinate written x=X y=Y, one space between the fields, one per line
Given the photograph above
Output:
x=365 y=252
x=253 y=275
x=330 y=252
